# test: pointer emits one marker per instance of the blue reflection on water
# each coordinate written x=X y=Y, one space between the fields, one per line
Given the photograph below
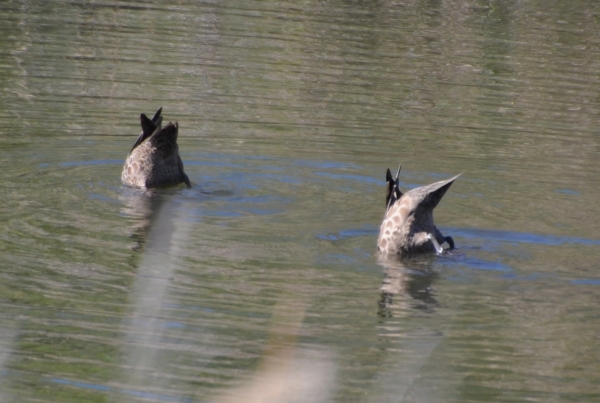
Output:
x=568 y=192
x=85 y=385
x=358 y=178
x=474 y=233
x=586 y=281
x=521 y=237
x=92 y=162
x=514 y=276
x=325 y=164
x=349 y=233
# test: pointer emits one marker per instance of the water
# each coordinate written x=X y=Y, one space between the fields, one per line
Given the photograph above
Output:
x=261 y=283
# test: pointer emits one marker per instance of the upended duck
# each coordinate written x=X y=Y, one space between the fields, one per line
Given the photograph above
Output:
x=408 y=223
x=154 y=159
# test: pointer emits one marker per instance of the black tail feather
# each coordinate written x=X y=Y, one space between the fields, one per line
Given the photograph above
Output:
x=148 y=127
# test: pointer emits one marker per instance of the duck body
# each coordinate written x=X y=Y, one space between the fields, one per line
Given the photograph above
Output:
x=408 y=225
x=154 y=160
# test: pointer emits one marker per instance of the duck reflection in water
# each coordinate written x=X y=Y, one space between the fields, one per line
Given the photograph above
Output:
x=154 y=160
x=407 y=286
x=408 y=226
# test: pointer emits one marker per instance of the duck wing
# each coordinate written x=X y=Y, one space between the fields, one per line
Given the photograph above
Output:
x=429 y=196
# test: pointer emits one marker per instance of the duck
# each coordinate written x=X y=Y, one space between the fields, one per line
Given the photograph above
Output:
x=154 y=159
x=408 y=226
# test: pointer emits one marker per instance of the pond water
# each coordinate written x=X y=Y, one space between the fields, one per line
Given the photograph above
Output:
x=262 y=283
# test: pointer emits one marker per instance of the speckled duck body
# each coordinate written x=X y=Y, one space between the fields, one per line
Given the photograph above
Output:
x=154 y=160
x=408 y=221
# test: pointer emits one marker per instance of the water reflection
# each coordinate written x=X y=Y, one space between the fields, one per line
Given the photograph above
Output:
x=161 y=236
x=142 y=207
x=409 y=327
x=407 y=286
